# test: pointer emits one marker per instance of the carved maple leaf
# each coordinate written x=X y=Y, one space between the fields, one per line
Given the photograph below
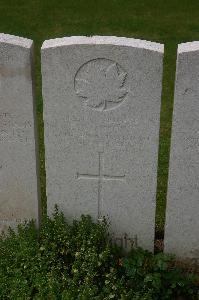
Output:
x=103 y=86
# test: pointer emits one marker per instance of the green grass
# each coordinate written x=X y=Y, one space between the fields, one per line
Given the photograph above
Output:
x=166 y=21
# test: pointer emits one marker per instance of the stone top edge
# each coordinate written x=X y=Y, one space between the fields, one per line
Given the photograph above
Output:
x=102 y=40
x=188 y=47
x=15 y=40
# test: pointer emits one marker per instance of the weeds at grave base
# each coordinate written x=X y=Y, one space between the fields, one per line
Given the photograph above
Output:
x=77 y=261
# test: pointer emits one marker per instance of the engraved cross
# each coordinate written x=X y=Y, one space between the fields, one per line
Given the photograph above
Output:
x=100 y=176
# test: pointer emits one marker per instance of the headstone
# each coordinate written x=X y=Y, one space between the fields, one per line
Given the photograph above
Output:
x=101 y=112
x=182 y=213
x=18 y=167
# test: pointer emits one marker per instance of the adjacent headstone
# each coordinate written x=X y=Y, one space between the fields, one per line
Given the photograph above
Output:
x=102 y=100
x=182 y=213
x=18 y=167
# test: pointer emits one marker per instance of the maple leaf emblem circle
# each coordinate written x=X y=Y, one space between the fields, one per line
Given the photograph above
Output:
x=101 y=84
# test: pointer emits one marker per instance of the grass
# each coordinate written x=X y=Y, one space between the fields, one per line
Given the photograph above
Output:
x=166 y=21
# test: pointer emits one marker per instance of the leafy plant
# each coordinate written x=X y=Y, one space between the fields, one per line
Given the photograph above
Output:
x=77 y=261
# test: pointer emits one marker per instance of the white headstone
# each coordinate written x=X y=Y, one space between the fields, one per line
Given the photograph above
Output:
x=182 y=214
x=101 y=111
x=18 y=167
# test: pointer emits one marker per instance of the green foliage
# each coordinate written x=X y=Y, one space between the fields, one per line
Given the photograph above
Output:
x=77 y=262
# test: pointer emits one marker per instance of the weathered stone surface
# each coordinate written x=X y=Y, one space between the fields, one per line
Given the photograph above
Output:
x=101 y=112
x=18 y=175
x=182 y=218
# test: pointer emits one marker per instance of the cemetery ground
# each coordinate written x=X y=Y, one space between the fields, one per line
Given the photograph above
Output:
x=167 y=22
